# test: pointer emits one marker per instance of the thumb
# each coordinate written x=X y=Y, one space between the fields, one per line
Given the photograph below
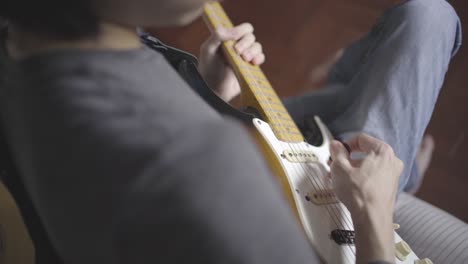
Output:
x=225 y=34
x=212 y=44
x=339 y=155
x=337 y=150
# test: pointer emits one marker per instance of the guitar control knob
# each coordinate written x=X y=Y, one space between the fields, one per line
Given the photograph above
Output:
x=423 y=261
x=402 y=250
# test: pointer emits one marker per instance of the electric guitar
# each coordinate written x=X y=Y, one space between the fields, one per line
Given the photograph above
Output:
x=301 y=168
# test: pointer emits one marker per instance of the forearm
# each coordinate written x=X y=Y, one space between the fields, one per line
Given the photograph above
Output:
x=374 y=236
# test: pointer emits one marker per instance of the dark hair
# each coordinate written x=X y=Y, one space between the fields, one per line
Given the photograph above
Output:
x=62 y=19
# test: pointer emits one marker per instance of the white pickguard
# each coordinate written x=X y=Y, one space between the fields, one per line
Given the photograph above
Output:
x=304 y=178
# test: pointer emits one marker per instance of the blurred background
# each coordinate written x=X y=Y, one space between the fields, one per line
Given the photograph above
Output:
x=300 y=36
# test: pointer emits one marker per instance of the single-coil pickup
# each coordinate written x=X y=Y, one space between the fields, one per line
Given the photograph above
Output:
x=299 y=156
x=322 y=197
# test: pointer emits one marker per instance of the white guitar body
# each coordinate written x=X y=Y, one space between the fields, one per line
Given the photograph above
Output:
x=318 y=209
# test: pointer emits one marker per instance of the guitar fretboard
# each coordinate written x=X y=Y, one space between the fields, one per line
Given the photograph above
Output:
x=257 y=91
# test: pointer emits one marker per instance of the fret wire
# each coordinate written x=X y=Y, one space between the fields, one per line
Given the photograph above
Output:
x=291 y=130
x=285 y=119
x=277 y=109
x=281 y=121
x=265 y=102
x=265 y=93
x=273 y=100
x=252 y=69
x=261 y=79
x=289 y=123
x=254 y=72
x=273 y=107
x=286 y=126
x=260 y=83
x=259 y=86
x=285 y=132
x=271 y=103
x=274 y=97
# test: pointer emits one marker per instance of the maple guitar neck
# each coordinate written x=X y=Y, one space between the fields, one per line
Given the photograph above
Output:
x=257 y=91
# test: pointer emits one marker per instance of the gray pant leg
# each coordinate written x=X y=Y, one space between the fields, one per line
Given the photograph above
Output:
x=393 y=77
x=431 y=232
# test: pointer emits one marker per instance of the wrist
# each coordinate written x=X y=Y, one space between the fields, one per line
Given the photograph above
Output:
x=370 y=212
x=374 y=234
x=370 y=206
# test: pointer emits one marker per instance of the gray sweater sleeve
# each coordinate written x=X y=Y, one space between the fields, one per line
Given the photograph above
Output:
x=134 y=168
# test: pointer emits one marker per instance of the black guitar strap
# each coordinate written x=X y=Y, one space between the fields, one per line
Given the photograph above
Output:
x=186 y=65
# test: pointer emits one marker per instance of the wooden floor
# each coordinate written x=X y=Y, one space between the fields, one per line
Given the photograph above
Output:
x=300 y=35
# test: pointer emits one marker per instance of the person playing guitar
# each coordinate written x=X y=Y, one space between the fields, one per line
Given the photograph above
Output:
x=125 y=163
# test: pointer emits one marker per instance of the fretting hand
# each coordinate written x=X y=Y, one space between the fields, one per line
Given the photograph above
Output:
x=213 y=67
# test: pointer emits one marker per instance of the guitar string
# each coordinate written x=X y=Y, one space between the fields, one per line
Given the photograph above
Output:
x=305 y=170
x=239 y=61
